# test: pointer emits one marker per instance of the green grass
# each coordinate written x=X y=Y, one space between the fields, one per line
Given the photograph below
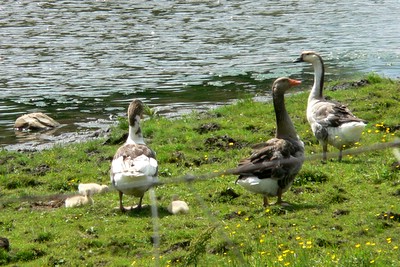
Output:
x=342 y=214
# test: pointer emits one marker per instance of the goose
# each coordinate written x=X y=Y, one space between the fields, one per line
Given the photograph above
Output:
x=273 y=165
x=35 y=121
x=93 y=187
x=134 y=167
x=331 y=122
x=79 y=200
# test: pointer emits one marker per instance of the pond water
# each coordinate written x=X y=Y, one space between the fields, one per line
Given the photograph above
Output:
x=81 y=62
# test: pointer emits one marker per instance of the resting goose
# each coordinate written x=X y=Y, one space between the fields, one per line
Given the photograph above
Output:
x=272 y=167
x=331 y=122
x=134 y=167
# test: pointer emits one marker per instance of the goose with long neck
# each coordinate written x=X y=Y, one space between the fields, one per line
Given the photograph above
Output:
x=331 y=122
x=273 y=165
x=134 y=167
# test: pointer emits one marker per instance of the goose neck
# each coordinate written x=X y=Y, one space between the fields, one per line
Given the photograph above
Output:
x=284 y=125
x=318 y=86
x=135 y=134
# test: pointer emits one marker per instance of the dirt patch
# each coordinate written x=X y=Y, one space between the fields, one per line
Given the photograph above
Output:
x=208 y=127
x=339 y=212
x=390 y=216
x=224 y=196
x=349 y=85
x=224 y=142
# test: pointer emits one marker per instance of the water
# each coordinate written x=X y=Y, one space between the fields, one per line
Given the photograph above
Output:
x=81 y=62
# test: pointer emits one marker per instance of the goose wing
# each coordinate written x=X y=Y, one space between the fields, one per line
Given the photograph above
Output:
x=278 y=159
x=134 y=159
x=333 y=114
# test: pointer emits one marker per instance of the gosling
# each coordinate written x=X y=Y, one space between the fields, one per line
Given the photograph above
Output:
x=79 y=200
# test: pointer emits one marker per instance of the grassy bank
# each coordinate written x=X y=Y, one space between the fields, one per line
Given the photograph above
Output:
x=342 y=214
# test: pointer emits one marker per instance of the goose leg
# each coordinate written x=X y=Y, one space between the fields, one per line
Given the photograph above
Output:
x=279 y=202
x=340 y=155
x=139 y=206
x=121 y=207
x=324 y=151
x=266 y=204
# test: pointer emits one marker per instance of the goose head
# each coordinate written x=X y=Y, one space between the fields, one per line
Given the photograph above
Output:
x=281 y=85
x=135 y=111
x=309 y=56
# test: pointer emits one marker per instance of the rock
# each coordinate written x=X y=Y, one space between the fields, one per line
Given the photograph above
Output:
x=35 y=121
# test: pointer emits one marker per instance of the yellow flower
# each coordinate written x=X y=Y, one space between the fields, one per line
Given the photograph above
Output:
x=358 y=245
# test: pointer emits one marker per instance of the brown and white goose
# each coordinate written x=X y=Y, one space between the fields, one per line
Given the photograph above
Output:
x=134 y=166
x=273 y=165
x=331 y=122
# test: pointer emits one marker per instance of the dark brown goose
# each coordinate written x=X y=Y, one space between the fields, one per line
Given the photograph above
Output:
x=331 y=122
x=272 y=167
x=134 y=167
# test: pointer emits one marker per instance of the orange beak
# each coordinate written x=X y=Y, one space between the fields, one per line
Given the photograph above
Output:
x=293 y=82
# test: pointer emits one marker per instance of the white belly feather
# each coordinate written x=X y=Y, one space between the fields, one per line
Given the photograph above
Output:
x=260 y=186
x=346 y=134
x=133 y=177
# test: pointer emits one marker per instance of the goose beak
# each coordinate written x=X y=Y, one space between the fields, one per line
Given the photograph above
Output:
x=300 y=59
x=293 y=82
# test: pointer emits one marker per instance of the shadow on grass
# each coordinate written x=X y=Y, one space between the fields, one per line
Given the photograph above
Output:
x=145 y=211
